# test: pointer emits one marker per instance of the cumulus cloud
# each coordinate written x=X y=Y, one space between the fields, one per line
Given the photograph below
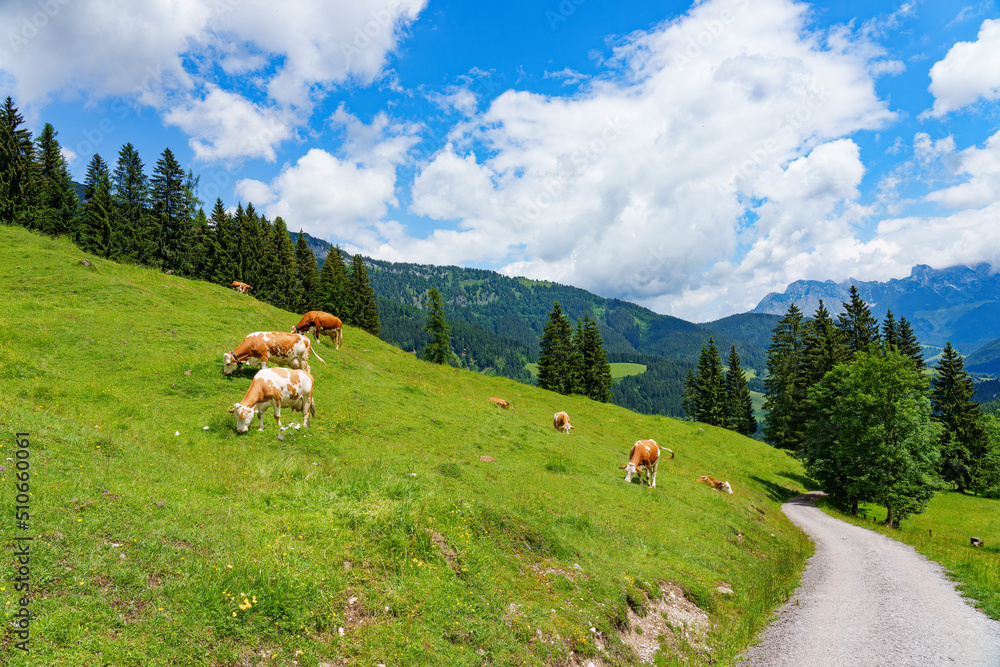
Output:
x=969 y=72
x=346 y=196
x=715 y=135
x=981 y=167
x=158 y=51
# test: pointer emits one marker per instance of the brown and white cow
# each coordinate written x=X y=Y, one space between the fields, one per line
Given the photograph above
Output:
x=499 y=401
x=277 y=388
x=286 y=349
x=317 y=322
x=242 y=288
x=560 y=421
x=715 y=483
x=645 y=455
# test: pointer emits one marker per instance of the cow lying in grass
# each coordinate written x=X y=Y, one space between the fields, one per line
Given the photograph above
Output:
x=277 y=388
x=645 y=456
x=499 y=401
x=560 y=421
x=286 y=349
x=715 y=483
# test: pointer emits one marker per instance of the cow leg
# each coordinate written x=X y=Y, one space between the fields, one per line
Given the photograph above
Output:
x=277 y=415
x=263 y=360
x=654 y=473
x=260 y=414
x=307 y=408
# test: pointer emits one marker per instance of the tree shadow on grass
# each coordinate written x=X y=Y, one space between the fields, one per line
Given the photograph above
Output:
x=781 y=494
x=808 y=483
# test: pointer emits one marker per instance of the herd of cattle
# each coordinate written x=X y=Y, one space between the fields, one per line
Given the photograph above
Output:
x=292 y=387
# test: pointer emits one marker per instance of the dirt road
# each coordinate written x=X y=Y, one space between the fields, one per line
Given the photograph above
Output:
x=869 y=601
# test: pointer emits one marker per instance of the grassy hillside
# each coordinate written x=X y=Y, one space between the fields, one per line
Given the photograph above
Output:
x=414 y=524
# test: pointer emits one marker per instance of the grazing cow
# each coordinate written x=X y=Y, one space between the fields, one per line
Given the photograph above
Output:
x=277 y=388
x=645 y=455
x=715 y=483
x=499 y=401
x=284 y=348
x=317 y=322
x=242 y=288
x=560 y=421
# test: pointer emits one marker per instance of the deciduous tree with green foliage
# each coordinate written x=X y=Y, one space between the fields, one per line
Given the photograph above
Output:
x=438 y=350
x=873 y=439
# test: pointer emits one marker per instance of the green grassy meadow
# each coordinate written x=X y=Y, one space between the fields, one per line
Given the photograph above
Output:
x=414 y=524
x=942 y=533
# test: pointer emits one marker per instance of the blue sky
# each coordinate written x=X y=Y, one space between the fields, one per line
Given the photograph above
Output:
x=689 y=157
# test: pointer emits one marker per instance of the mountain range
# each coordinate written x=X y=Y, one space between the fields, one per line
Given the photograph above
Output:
x=960 y=304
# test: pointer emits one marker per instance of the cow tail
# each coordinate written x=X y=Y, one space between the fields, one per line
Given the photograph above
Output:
x=671 y=452
x=313 y=350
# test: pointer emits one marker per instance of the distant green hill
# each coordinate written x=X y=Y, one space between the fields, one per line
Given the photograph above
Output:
x=414 y=524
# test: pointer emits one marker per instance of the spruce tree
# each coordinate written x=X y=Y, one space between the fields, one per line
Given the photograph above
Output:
x=286 y=290
x=594 y=370
x=689 y=399
x=712 y=401
x=438 y=350
x=333 y=283
x=202 y=250
x=130 y=192
x=908 y=345
x=963 y=439
x=308 y=275
x=859 y=326
x=225 y=268
x=96 y=231
x=18 y=181
x=557 y=355
x=824 y=345
x=57 y=202
x=364 y=311
x=171 y=216
x=741 y=417
x=890 y=331
x=786 y=383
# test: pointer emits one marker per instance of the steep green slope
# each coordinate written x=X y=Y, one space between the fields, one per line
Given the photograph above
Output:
x=415 y=523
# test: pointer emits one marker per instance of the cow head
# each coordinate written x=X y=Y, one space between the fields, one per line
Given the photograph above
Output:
x=244 y=416
x=229 y=363
x=629 y=469
x=726 y=487
x=566 y=427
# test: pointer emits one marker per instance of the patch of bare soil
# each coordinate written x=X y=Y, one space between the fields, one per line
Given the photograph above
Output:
x=673 y=617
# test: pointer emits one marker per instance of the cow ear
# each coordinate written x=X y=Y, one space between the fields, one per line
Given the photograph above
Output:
x=231 y=410
x=622 y=467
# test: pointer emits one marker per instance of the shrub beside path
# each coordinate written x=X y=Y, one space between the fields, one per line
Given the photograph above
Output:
x=866 y=601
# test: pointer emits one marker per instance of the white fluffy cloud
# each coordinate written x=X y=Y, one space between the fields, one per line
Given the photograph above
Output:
x=981 y=168
x=162 y=51
x=970 y=71
x=346 y=196
x=719 y=136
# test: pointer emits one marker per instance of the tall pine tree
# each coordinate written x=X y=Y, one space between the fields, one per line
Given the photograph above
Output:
x=859 y=326
x=786 y=383
x=133 y=218
x=594 y=370
x=286 y=289
x=712 y=404
x=225 y=268
x=97 y=225
x=741 y=417
x=57 y=202
x=18 y=179
x=364 y=311
x=171 y=216
x=438 y=350
x=333 y=289
x=557 y=361
x=963 y=440
x=308 y=275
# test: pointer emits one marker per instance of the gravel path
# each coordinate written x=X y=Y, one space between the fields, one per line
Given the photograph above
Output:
x=869 y=601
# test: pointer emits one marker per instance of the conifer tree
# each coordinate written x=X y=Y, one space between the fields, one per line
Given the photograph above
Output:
x=333 y=287
x=203 y=248
x=890 y=331
x=712 y=405
x=57 y=202
x=557 y=355
x=286 y=290
x=859 y=326
x=907 y=343
x=96 y=230
x=225 y=268
x=741 y=417
x=963 y=439
x=170 y=213
x=438 y=350
x=307 y=274
x=786 y=383
x=824 y=345
x=364 y=311
x=594 y=371
x=18 y=181
x=130 y=192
